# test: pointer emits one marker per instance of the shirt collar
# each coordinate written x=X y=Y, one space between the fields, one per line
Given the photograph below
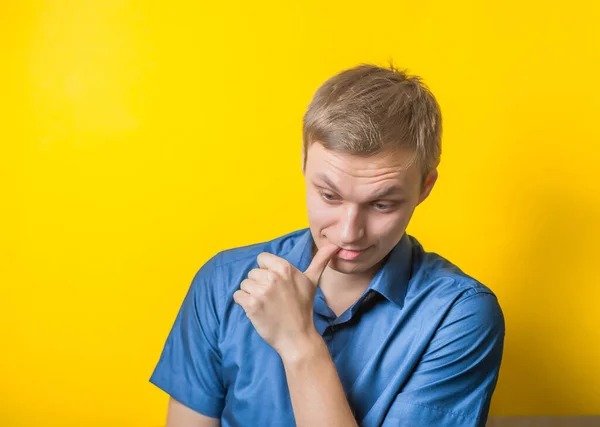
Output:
x=391 y=280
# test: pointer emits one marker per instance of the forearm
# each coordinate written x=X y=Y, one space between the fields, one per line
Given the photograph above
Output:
x=318 y=398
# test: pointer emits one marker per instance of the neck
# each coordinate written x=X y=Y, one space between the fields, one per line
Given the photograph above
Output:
x=341 y=283
x=347 y=283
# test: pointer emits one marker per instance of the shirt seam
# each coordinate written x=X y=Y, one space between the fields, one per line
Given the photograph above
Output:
x=465 y=296
x=442 y=410
x=166 y=383
x=226 y=263
x=220 y=311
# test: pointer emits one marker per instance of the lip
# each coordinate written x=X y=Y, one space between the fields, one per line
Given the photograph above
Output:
x=348 y=254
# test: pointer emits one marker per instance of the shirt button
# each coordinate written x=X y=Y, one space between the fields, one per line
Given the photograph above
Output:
x=334 y=328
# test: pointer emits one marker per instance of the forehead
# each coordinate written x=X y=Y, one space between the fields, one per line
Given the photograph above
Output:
x=392 y=164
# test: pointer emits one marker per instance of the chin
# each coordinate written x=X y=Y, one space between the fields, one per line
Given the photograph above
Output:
x=348 y=267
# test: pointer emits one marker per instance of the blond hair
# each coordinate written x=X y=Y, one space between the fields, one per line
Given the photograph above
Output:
x=367 y=109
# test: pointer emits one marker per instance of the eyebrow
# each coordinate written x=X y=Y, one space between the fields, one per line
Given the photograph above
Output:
x=381 y=193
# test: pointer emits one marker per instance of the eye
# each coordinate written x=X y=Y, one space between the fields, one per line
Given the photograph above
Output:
x=383 y=206
x=328 y=197
x=387 y=207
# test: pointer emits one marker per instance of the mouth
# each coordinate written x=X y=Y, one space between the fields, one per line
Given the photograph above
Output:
x=350 y=255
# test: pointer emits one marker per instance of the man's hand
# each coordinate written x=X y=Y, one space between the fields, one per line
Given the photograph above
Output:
x=278 y=299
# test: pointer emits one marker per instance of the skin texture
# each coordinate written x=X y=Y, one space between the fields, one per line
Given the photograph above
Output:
x=278 y=298
x=179 y=415
x=352 y=218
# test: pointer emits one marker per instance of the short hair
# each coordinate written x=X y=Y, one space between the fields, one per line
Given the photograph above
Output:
x=367 y=109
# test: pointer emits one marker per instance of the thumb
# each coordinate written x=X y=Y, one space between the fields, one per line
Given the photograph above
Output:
x=319 y=262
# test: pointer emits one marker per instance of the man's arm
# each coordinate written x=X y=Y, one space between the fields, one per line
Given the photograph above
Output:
x=318 y=398
x=180 y=415
x=452 y=385
x=278 y=299
x=189 y=369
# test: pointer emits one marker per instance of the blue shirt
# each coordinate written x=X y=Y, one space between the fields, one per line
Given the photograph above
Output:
x=421 y=347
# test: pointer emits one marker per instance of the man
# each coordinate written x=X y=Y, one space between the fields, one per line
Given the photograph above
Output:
x=349 y=322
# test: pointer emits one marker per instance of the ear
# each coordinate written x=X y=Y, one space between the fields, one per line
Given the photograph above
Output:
x=430 y=181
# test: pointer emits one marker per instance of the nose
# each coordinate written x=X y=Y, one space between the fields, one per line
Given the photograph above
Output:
x=352 y=225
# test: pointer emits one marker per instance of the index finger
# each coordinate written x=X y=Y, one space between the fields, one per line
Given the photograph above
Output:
x=320 y=261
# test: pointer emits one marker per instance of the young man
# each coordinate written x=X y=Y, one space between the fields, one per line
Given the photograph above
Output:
x=349 y=322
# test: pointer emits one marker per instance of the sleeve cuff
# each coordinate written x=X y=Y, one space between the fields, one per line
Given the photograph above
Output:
x=411 y=414
x=195 y=399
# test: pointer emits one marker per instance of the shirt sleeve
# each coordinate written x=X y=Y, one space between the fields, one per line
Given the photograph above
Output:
x=189 y=368
x=453 y=384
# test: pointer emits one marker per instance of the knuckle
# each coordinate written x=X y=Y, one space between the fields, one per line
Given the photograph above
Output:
x=287 y=270
x=253 y=306
x=271 y=277
x=268 y=290
x=245 y=285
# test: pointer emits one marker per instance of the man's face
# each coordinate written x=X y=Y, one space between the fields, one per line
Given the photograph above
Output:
x=344 y=206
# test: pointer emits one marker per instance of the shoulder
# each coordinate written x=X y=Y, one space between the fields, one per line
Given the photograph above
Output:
x=443 y=286
x=224 y=270
x=238 y=257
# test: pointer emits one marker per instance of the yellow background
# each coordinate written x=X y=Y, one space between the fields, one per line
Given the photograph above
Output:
x=138 y=138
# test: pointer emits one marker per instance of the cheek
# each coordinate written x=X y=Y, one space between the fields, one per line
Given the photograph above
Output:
x=321 y=215
x=319 y=211
x=387 y=227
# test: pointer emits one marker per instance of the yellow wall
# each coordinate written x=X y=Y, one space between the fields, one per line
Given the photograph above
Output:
x=139 y=138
